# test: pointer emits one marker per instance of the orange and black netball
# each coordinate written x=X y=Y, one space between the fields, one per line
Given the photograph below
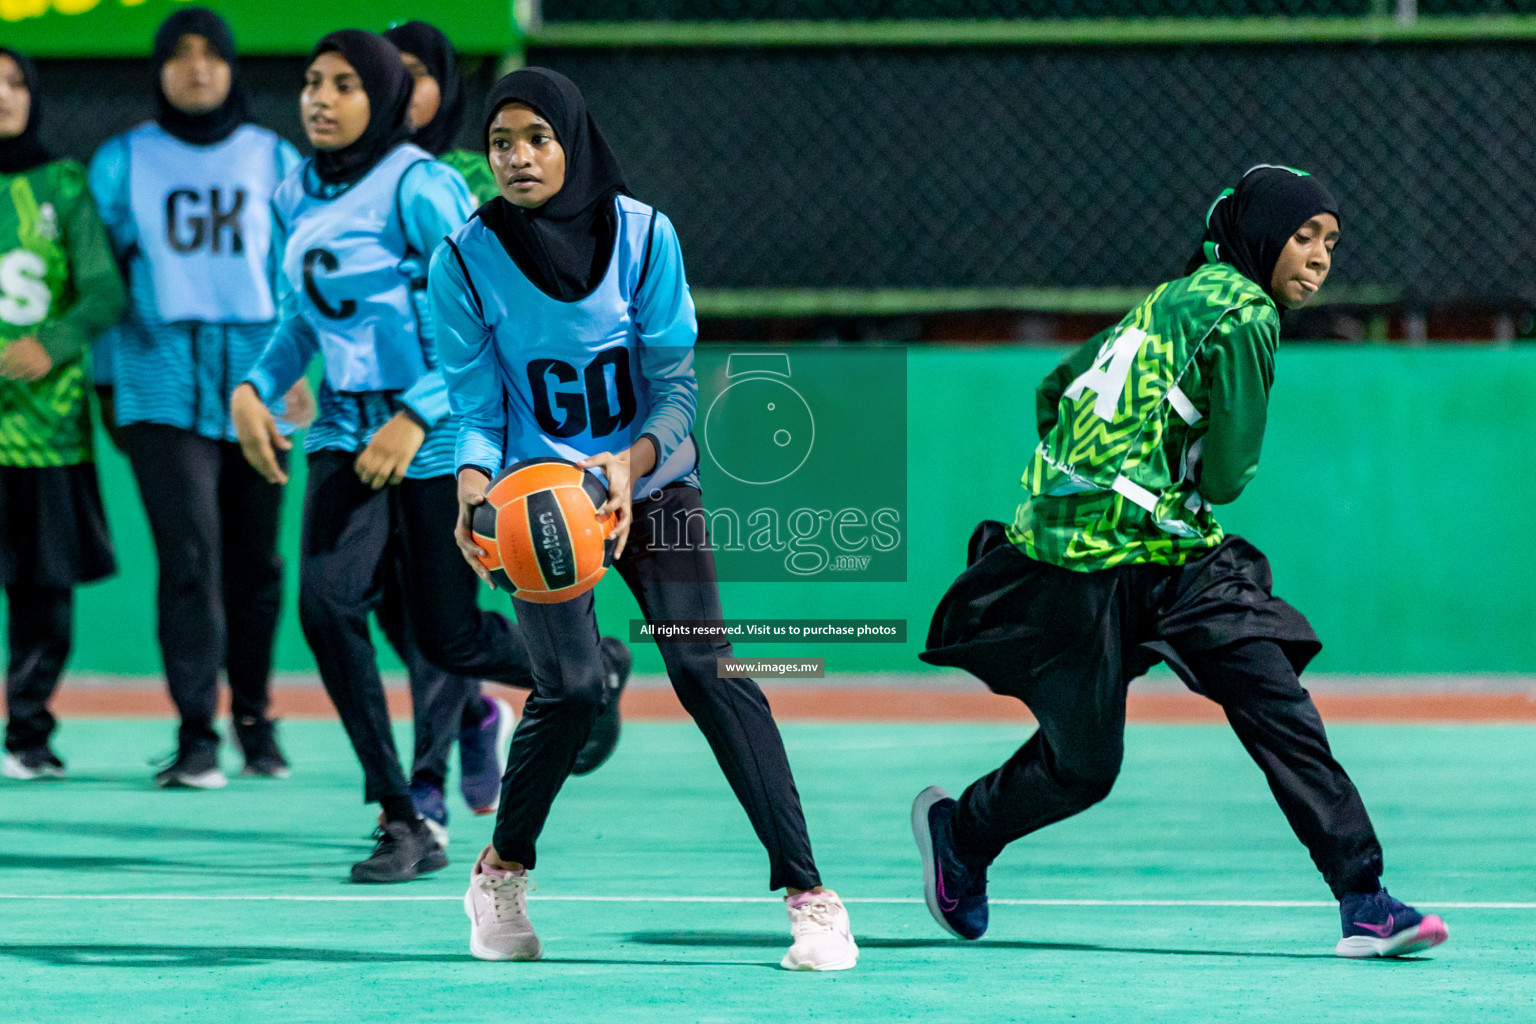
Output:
x=540 y=531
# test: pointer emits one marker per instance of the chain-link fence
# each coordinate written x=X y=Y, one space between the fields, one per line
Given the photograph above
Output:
x=1035 y=171
x=85 y=102
x=793 y=10
x=1072 y=168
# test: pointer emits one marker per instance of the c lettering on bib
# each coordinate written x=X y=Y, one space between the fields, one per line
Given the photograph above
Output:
x=326 y=261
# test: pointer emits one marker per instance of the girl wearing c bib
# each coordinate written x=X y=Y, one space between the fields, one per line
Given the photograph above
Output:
x=354 y=227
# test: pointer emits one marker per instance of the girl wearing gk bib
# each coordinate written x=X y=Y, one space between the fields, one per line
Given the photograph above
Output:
x=187 y=202
x=354 y=227
x=58 y=290
x=566 y=330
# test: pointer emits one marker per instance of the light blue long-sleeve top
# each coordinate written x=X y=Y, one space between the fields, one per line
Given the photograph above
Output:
x=532 y=376
x=179 y=374
x=432 y=200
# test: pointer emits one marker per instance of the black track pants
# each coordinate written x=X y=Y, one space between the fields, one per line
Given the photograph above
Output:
x=437 y=697
x=1068 y=643
x=215 y=524
x=733 y=714
x=346 y=559
x=38 y=634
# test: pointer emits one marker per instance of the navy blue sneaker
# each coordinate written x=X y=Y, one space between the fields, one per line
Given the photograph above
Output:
x=482 y=756
x=956 y=892
x=429 y=803
x=1375 y=924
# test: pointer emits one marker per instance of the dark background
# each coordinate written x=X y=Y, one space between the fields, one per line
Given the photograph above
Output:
x=1007 y=167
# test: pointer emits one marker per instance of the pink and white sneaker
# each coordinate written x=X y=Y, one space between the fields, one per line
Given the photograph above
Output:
x=818 y=922
x=497 y=905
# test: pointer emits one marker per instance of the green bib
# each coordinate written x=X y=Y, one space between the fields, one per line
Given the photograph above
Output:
x=476 y=171
x=1114 y=481
x=44 y=422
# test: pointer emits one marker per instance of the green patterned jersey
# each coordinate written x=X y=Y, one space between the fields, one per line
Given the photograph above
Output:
x=1149 y=424
x=476 y=171
x=59 y=285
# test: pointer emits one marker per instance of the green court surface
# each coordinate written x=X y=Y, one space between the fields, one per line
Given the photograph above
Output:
x=1183 y=897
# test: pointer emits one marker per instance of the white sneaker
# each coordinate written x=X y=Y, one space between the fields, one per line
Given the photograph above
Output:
x=818 y=922
x=33 y=764
x=497 y=905
x=439 y=831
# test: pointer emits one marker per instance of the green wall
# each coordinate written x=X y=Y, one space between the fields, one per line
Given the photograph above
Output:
x=126 y=28
x=1394 y=500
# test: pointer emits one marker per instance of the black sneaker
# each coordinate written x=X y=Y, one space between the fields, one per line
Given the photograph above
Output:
x=197 y=768
x=403 y=850
x=956 y=892
x=617 y=662
x=258 y=742
x=33 y=763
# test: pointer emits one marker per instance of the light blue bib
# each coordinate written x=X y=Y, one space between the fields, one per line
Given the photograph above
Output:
x=571 y=369
x=204 y=222
x=343 y=259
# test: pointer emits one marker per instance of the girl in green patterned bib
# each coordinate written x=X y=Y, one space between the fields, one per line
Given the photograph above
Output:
x=59 y=288
x=1115 y=562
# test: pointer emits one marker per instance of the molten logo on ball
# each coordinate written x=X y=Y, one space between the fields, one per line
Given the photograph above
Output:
x=540 y=530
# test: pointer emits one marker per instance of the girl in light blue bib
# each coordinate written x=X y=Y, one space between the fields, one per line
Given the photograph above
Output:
x=187 y=200
x=566 y=331
x=354 y=227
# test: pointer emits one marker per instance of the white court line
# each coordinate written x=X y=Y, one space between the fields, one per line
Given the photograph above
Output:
x=904 y=900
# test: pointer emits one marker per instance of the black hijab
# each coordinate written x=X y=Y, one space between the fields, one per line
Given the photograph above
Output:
x=1249 y=226
x=388 y=85
x=428 y=45
x=563 y=246
x=25 y=151
x=220 y=123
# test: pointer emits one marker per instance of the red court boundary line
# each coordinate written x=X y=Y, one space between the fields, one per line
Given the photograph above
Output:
x=872 y=704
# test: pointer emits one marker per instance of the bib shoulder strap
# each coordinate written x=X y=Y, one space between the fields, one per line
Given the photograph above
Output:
x=399 y=208
x=469 y=279
x=645 y=263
